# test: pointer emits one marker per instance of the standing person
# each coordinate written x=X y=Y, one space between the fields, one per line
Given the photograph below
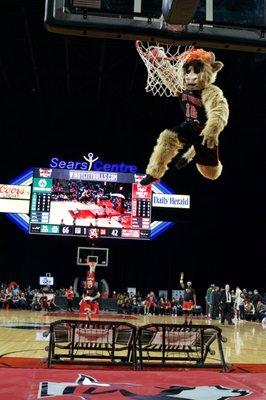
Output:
x=215 y=301
x=69 y=298
x=226 y=305
x=189 y=299
x=256 y=297
x=239 y=303
x=208 y=299
x=151 y=303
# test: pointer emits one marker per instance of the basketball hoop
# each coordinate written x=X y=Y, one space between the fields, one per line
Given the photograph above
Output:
x=164 y=65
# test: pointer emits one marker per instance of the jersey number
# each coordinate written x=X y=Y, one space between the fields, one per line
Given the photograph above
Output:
x=191 y=111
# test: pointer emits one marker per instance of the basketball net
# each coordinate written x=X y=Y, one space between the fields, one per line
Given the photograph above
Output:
x=164 y=65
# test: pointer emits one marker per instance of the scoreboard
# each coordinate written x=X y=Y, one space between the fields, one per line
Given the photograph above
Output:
x=90 y=203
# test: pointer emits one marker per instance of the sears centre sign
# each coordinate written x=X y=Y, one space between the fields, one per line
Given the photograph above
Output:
x=170 y=200
x=92 y=163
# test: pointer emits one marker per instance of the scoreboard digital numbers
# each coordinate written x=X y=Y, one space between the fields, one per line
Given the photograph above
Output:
x=90 y=203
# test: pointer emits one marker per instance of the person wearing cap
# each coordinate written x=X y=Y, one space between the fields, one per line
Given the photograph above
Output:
x=189 y=299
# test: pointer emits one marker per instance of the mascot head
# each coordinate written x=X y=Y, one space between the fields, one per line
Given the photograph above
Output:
x=198 y=68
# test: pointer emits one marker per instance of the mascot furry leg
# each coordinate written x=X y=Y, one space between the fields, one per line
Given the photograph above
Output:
x=167 y=147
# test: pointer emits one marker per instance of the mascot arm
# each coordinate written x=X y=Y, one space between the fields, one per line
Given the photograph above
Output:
x=189 y=154
x=217 y=111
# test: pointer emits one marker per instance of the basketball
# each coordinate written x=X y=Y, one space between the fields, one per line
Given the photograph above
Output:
x=156 y=54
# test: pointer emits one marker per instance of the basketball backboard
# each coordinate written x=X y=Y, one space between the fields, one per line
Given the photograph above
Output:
x=237 y=25
x=87 y=254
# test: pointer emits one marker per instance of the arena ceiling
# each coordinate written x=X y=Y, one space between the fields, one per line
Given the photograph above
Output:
x=52 y=67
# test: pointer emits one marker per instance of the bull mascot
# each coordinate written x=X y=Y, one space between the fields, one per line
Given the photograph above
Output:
x=204 y=106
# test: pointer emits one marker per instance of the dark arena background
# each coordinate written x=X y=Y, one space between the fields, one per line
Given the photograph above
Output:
x=65 y=96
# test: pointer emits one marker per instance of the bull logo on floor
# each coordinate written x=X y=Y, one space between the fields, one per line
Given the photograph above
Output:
x=191 y=393
x=87 y=387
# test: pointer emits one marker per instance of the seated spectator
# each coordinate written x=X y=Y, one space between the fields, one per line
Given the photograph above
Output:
x=23 y=301
x=7 y=299
x=51 y=306
x=150 y=304
x=15 y=301
x=44 y=302
x=174 y=307
x=119 y=302
x=134 y=304
x=36 y=304
x=261 y=310
x=197 y=311
x=126 y=306
x=249 y=310
x=161 y=307
x=167 y=307
x=2 y=298
x=140 y=304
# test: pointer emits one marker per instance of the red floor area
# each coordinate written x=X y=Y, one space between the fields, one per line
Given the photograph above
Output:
x=32 y=384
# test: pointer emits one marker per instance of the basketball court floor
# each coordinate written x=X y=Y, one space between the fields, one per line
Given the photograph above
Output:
x=84 y=215
x=24 y=372
x=21 y=334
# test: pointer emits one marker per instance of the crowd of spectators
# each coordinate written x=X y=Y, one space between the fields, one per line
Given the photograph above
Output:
x=246 y=305
x=13 y=296
x=130 y=303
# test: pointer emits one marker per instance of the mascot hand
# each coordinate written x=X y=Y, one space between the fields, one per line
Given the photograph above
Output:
x=210 y=138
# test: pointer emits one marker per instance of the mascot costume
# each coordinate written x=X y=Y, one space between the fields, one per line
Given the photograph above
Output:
x=190 y=77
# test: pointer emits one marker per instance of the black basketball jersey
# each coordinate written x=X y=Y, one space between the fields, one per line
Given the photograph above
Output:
x=192 y=106
x=188 y=294
x=91 y=292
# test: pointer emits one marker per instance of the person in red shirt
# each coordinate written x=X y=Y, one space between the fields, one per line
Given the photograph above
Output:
x=69 y=297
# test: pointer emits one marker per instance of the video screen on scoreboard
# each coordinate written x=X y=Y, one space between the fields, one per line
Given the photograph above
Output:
x=90 y=203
